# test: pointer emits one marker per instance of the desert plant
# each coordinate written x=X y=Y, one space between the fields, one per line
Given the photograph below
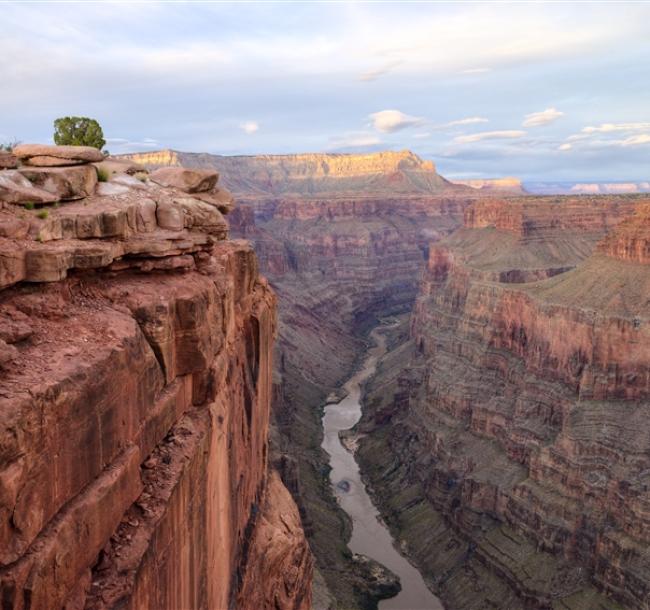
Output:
x=78 y=131
x=29 y=205
x=8 y=146
x=102 y=174
x=43 y=214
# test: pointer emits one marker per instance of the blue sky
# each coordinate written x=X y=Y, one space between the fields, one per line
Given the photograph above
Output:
x=542 y=91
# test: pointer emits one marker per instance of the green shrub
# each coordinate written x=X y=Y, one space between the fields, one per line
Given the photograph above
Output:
x=102 y=174
x=43 y=214
x=78 y=131
x=29 y=205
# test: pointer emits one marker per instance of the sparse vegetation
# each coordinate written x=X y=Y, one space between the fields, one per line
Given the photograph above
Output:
x=102 y=174
x=29 y=205
x=78 y=131
x=8 y=146
x=43 y=214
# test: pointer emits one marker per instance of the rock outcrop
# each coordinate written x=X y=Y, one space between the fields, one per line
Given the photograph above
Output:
x=516 y=410
x=136 y=359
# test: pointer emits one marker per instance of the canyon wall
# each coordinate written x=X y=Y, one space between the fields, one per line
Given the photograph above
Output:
x=342 y=239
x=136 y=349
x=515 y=410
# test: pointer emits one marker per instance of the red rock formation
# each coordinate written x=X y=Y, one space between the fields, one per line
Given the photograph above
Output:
x=134 y=408
x=521 y=414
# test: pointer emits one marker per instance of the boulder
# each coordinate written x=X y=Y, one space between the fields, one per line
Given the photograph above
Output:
x=73 y=154
x=117 y=166
x=219 y=198
x=15 y=188
x=8 y=160
x=63 y=182
x=187 y=180
x=47 y=161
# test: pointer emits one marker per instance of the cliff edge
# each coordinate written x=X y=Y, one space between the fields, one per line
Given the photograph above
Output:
x=136 y=357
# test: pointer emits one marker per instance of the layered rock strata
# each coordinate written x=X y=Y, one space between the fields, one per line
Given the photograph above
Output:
x=136 y=357
x=516 y=410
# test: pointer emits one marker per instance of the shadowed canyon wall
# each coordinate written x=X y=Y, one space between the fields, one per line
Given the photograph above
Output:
x=136 y=345
x=516 y=409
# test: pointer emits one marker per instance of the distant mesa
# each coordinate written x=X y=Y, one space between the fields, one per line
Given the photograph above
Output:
x=497 y=185
x=588 y=188
x=313 y=174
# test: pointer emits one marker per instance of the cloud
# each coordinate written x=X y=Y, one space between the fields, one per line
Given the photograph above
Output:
x=604 y=136
x=424 y=134
x=476 y=71
x=117 y=145
x=371 y=75
x=490 y=135
x=250 y=127
x=468 y=121
x=642 y=138
x=612 y=127
x=545 y=117
x=388 y=121
x=354 y=140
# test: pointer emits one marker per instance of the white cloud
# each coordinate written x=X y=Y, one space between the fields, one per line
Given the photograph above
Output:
x=476 y=71
x=611 y=127
x=490 y=135
x=371 y=75
x=642 y=138
x=424 y=134
x=468 y=121
x=250 y=127
x=354 y=140
x=565 y=147
x=545 y=117
x=388 y=121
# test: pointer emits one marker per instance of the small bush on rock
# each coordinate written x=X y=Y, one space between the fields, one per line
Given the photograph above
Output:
x=78 y=131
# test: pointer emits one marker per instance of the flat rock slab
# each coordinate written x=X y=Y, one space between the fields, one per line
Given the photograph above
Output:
x=63 y=182
x=87 y=154
x=15 y=188
x=187 y=180
x=47 y=161
x=219 y=198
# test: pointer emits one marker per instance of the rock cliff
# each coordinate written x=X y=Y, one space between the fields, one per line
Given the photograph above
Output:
x=516 y=409
x=136 y=348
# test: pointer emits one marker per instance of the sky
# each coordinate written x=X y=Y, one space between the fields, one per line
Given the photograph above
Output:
x=544 y=91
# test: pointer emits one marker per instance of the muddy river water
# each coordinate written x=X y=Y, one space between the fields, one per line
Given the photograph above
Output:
x=369 y=535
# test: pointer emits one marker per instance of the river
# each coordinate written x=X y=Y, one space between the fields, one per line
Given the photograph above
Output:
x=370 y=536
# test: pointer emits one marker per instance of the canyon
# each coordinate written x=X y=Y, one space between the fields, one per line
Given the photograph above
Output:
x=162 y=398
x=491 y=438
